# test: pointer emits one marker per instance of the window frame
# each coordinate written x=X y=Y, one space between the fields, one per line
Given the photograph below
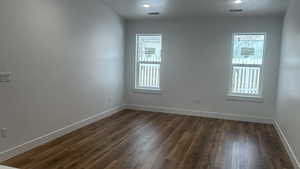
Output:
x=247 y=97
x=145 y=90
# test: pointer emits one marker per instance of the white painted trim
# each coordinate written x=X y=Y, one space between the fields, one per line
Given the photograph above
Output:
x=57 y=133
x=262 y=72
x=227 y=116
x=287 y=146
x=241 y=98
x=136 y=63
x=146 y=91
x=5 y=167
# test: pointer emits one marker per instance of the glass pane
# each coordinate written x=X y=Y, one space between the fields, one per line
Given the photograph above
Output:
x=248 y=49
x=149 y=48
x=148 y=61
x=246 y=80
x=149 y=76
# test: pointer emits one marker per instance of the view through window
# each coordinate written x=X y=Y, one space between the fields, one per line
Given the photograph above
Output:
x=148 y=60
x=247 y=64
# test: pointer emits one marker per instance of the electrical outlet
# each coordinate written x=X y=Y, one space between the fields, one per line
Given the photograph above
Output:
x=4 y=132
x=110 y=100
x=5 y=77
x=197 y=102
x=284 y=129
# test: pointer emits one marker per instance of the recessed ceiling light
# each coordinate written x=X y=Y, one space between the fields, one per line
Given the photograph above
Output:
x=146 y=6
x=238 y=1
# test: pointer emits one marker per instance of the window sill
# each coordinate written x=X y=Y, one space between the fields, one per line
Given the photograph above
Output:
x=255 y=99
x=147 y=91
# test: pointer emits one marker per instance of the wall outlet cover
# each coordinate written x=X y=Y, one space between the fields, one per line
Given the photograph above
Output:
x=4 y=132
x=5 y=77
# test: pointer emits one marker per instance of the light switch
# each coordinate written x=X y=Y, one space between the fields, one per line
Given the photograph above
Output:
x=5 y=77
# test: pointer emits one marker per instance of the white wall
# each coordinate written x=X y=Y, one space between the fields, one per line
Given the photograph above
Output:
x=196 y=63
x=66 y=59
x=288 y=100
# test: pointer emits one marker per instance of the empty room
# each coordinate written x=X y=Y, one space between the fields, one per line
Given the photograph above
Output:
x=149 y=84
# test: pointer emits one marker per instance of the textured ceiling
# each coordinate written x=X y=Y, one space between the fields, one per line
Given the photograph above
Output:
x=133 y=9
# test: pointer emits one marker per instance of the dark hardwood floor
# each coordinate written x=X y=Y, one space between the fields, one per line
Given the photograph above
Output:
x=143 y=140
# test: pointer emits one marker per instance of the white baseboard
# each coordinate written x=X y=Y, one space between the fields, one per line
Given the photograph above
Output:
x=287 y=146
x=57 y=133
x=227 y=116
x=5 y=167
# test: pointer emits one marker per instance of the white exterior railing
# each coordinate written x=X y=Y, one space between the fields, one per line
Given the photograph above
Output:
x=149 y=75
x=246 y=80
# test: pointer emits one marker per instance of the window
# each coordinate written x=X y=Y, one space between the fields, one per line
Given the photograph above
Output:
x=148 y=60
x=247 y=64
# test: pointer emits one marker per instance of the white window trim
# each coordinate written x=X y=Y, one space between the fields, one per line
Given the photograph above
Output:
x=147 y=91
x=240 y=97
x=135 y=89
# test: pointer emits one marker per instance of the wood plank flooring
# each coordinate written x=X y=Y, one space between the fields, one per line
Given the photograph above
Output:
x=144 y=140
